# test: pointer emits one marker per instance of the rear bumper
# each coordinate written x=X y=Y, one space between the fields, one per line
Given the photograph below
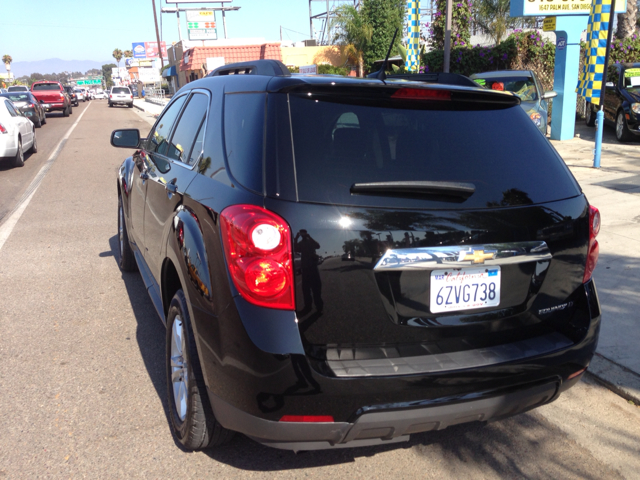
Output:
x=54 y=107
x=389 y=426
x=251 y=396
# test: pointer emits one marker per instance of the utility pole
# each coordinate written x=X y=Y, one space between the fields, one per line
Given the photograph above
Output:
x=447 y=36
x=224 y=20
x=155 y=18
x=180 y=31
x=310 y=21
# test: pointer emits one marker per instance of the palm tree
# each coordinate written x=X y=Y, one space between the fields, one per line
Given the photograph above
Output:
x=6 y=59
x=353 y=34
x=627 y=21
x=128 y=54
x=494 y=18
x=117 y=54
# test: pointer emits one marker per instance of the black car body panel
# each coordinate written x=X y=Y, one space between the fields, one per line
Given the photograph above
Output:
x=29 y=105
x=362 y=344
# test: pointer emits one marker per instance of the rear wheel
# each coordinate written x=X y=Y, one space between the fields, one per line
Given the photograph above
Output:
x=622 y=131
x=70 y=109
x=589 y=115
x=131 y=105
x=110 y=104
x=18 y=160
x=65 y=112
x=44 y=118
x=38 y=122
x=127 y=261
x=192 y=419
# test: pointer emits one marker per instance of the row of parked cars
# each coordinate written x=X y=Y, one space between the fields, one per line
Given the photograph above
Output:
x=22 y=110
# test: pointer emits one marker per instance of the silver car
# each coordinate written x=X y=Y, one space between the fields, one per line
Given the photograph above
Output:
x=526 y=85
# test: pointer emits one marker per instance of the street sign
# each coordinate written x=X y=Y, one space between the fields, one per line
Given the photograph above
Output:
x=549 y=24
x=200 y=25
x=89 y=82
x=203 y=34
x=201 y=16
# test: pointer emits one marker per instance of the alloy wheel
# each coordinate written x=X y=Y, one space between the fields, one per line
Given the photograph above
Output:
x=179 y=368
x=620 y=126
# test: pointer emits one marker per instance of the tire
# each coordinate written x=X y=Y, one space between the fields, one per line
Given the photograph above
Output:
x=622 y=131
x=38 y=123
x=131 y=105
x=193 y=423
x=70 y=109
x=44 y=118
x=127 y=260
x=589 y=115
x=34 y=147
x=110 y=104
x=18 y=160
x=65 y=112
x=76 y=104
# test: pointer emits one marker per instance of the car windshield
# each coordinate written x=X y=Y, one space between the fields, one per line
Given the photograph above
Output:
x=632 y=79
x=120 y=90
x=46 y=86
x=523 y=86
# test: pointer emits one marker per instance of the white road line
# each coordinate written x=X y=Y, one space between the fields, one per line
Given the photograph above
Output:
x=12 y=219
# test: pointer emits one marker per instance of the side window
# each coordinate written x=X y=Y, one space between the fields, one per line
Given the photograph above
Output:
x=188 y=127
x=12 y=111
x=244 y=137
x=157 y=142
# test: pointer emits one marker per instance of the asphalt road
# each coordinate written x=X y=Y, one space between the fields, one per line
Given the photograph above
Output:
x=82 y=386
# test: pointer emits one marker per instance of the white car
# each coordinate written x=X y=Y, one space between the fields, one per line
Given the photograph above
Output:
x=120 y=96
x=100 y=95
x=80 y=94
x=18 y=88
x=17 y=133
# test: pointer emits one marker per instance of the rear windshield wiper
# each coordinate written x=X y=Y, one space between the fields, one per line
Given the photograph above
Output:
x=415 y=188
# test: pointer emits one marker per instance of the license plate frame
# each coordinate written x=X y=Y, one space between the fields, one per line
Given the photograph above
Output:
x=466 y=288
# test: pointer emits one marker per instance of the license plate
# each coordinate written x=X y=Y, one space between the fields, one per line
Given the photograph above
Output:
x=46 y=105
x=464 y=289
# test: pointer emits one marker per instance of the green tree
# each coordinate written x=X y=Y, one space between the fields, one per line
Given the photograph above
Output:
x=494 y=18
x=384 y=16
x=353 y=34
x=460 y=20
x=117 y=54
x=6 y=59
x=106 y=73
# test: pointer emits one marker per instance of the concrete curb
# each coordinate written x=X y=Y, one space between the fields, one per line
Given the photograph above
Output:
x=138 y=107
x=616 y=378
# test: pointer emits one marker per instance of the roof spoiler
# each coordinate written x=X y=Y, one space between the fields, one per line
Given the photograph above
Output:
x=437 y=77
x=269 y=68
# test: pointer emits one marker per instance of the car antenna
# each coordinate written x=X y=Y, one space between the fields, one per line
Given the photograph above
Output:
x=380 y=74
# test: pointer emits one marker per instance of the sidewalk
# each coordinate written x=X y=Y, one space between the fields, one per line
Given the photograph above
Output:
x=151 y=110
x=615 y=190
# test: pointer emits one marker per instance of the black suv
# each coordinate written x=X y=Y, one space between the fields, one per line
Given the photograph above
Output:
x=468 y=296
x=73 y=96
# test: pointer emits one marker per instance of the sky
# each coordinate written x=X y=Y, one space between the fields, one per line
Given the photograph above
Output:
x=82 y=30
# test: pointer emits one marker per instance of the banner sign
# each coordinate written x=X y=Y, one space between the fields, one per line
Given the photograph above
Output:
x=138 y=50
x=540 y=8
x=413 y=41
x=590 y=80
x=148 y=49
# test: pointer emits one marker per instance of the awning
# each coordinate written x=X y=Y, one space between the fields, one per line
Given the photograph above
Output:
x=170 y=72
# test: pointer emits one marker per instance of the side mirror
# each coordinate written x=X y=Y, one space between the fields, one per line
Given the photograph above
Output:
x=126 y=138
x=609 y=85
x=548 y=95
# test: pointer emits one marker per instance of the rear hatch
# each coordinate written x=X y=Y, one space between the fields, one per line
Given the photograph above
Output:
x=426 y=222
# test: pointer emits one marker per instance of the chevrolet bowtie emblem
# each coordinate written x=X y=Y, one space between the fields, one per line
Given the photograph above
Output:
x=476 y=256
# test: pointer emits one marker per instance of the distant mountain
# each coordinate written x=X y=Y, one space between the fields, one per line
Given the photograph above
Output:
x=54 y=65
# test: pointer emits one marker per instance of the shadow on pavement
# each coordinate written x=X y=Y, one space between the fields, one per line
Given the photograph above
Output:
x=608 y=134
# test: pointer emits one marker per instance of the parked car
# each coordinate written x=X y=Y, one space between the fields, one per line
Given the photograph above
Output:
x=526 y=85
x=73 y=96
x=29 y=106
x=120 y=96
x=80 y=94
x=17 y=134
x=244 y=180
x=52 y=96
x=100 y=94
x=18 y=88
x=621 y=102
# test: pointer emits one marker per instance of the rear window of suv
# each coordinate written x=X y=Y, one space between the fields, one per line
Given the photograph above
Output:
x=120 y=90
x=328 y=144
x=46 y=86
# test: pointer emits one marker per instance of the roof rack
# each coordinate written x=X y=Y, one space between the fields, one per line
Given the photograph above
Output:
x=270 y=68
x=437 y=77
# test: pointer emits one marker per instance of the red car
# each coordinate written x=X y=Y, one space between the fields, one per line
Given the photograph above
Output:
x=52 y=96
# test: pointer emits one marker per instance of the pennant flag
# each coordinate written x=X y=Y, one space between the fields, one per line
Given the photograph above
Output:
x=590 y=80
x=413 y=41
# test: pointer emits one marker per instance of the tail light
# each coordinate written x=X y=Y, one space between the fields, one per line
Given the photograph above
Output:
x=31 y=105
x=257 y=247
x=61 y=96
x=594 y=249
x=307 y=418
x=421 y=94
x=2 y=129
